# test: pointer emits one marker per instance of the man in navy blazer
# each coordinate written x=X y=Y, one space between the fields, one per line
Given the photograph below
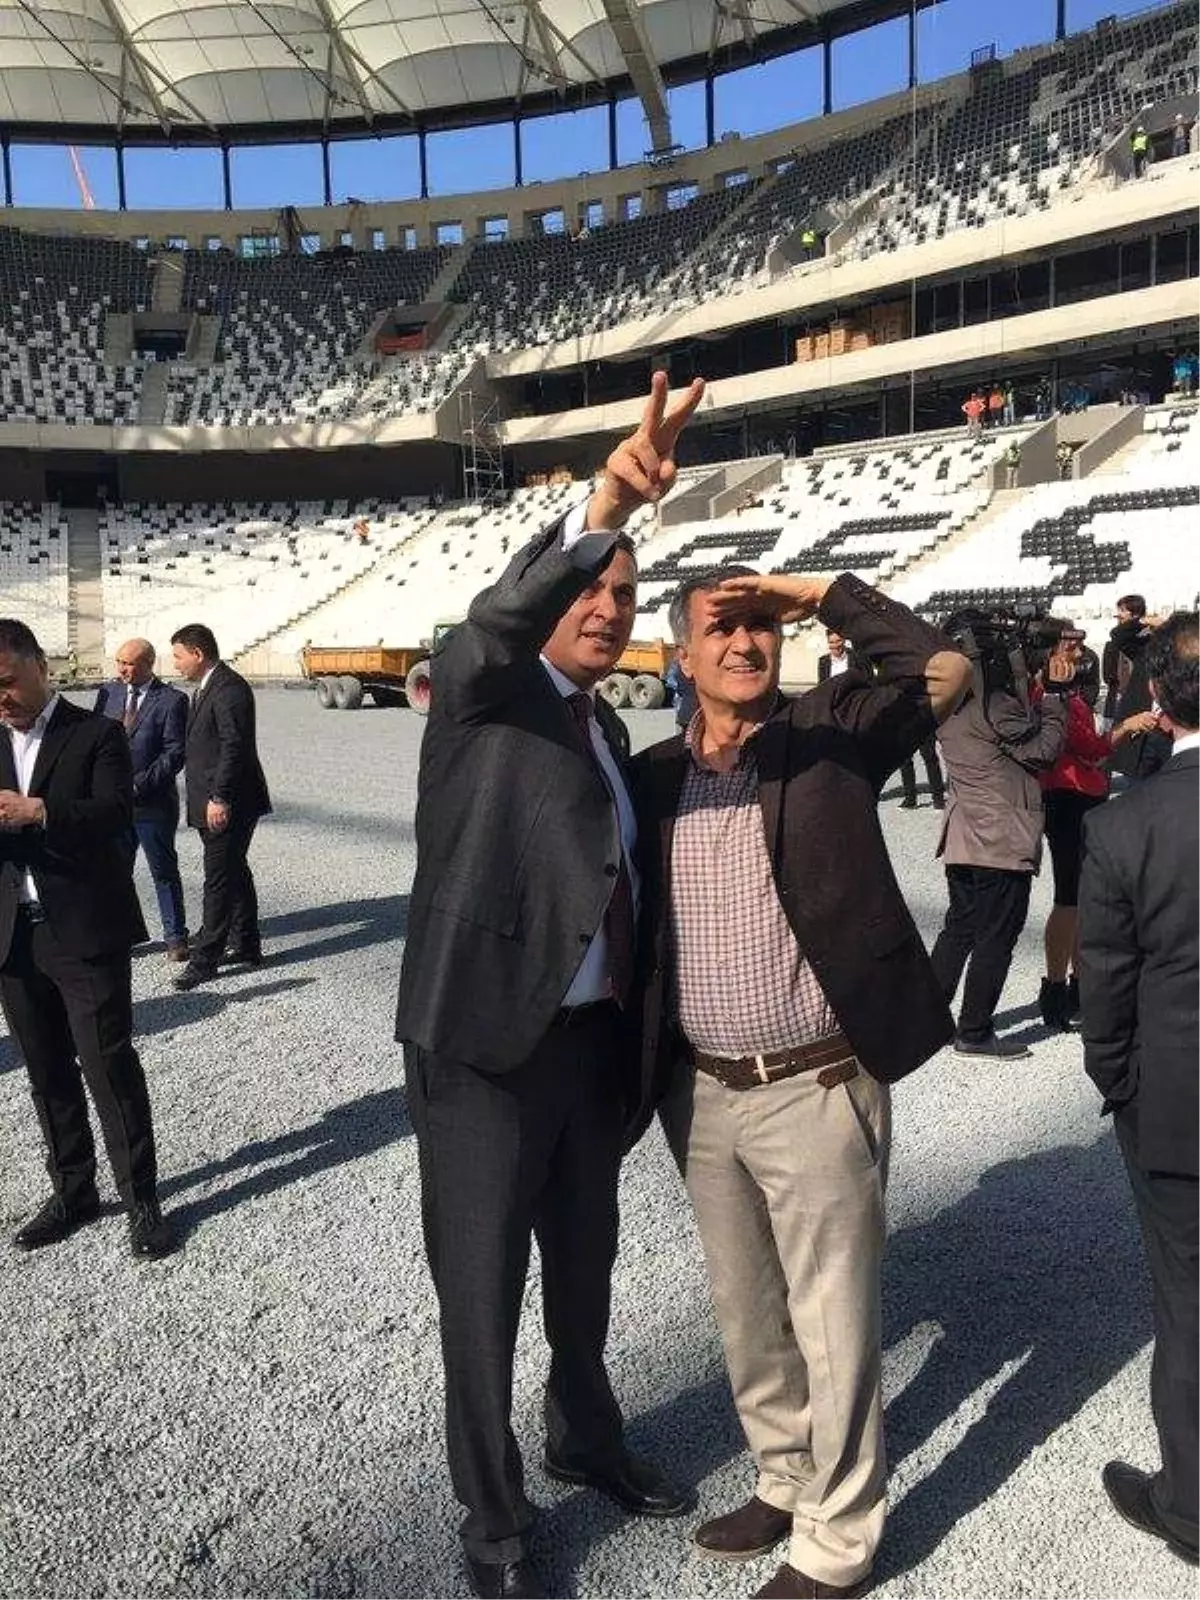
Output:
x=154 y=715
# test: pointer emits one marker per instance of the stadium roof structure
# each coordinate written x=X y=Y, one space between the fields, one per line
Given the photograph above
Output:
x=252 y=71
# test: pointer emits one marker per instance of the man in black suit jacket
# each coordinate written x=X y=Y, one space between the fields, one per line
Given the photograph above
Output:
x=785 y=987
x=226 y=795
x=517 y=969
x=839 y=658
x=154 y=715
x=68 y=920
x=1138 y=974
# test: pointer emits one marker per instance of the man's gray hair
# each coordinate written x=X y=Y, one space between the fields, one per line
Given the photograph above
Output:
x=704 y=581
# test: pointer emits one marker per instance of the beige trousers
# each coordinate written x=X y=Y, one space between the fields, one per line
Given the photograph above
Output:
x=787 y=1182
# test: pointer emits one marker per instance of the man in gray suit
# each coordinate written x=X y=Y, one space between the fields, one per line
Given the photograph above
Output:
x=520 y=1063
x=1138 y=977
x=995 y=745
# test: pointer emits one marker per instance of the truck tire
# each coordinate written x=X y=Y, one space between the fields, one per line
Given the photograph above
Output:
x=615 y=689
x=647 y=693
x=416 y=687
x=347 y=693
x=323 y=689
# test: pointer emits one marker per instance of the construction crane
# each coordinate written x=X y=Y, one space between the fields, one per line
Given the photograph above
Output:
x=85 y=193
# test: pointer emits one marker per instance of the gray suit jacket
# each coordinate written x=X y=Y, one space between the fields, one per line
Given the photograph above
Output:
x=994 y=805
x=517 y=836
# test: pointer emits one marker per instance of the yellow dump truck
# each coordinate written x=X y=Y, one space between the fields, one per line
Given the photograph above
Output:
x=342 y=676
x=398 y=675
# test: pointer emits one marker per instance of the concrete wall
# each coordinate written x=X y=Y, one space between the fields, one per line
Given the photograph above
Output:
x=292 y=475
x=1117 y=426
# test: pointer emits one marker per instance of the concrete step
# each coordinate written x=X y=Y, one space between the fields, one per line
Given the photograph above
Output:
x=152 y=402
x=85 y=594
x=118 y=338
x=202 y=341
x=168 y=281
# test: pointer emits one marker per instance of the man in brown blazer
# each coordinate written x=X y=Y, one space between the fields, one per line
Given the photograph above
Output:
x=785 y=987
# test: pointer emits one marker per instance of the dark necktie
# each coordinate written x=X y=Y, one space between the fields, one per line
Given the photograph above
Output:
x=130 y=716
x=619 y=928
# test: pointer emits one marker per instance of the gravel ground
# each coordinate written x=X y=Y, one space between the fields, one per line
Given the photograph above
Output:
x=261 y=1414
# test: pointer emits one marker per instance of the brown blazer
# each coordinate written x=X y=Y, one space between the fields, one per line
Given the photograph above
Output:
x=822 y=760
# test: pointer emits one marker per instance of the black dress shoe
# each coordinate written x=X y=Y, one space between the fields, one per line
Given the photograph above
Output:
x=505 y=1580
x=57 y=1220
x=241 y=957
x=997 y=1049
x=192 y=977
x=1129 y=1491
x=634 y=1484
x=908 y=805
x=150 y=1234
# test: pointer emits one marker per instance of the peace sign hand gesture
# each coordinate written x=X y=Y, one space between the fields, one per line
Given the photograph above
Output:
x=642 y=468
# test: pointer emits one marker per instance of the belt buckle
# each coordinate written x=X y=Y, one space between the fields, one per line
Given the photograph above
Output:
x=719 y=1072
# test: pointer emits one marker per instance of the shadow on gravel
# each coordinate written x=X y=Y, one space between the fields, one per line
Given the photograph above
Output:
x=353 y=925
x=161 y=1013
x=1037 y=1283
x=359 y=1128
x=310 y=813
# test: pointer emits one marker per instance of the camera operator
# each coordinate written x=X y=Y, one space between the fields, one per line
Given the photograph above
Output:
x=994 y=746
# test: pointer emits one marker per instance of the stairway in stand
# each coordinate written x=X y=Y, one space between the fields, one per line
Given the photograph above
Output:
x=85 y=594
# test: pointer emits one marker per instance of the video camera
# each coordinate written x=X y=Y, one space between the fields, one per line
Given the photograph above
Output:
x=1007 y=645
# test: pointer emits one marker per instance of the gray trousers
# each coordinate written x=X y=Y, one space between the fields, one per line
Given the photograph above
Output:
x=787 y=1182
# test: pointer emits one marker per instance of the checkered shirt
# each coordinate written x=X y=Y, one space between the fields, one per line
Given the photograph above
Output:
x=742 y=985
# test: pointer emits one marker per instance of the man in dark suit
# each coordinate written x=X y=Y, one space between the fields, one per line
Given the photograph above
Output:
x=517 y=974
x=785 y=987
x=838 y=658
x=154 y=716
x=226 y=795
x=1138 y=973
x=68 y=920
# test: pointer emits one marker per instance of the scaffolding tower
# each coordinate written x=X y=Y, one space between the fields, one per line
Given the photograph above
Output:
x=483 y=454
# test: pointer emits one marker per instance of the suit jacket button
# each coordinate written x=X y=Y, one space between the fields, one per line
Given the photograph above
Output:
x=610 y=871
x=585 y=938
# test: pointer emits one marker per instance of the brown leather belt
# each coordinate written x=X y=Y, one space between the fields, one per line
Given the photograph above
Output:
x=831 y=1058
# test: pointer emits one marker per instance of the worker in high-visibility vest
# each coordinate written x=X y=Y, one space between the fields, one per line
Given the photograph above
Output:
x=809 y=241
x=1139 y=148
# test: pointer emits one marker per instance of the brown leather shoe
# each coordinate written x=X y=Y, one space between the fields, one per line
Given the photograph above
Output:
x=178 y=951
x=740 y=1535
x=791 y=1584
